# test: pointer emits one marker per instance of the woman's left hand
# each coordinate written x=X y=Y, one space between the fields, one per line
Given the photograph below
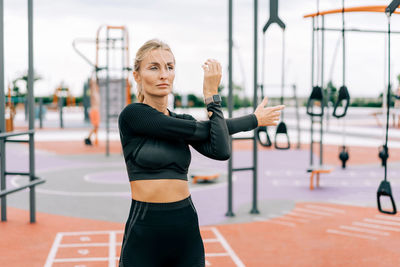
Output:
x=268 y=116
x=212 y=77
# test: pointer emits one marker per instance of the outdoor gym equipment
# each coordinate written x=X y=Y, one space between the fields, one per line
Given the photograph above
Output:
x=9 y=112
x=343 y=99
x=384 y=188
x=5 y=137
x=253 y=168
x=281 y=129
x=111 y=77
x=316 y=102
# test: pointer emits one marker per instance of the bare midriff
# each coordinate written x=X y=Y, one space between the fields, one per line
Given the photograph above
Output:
x=160 y=190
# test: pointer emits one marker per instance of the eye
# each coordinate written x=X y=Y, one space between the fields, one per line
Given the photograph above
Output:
x=153 y=68
x=170 y=67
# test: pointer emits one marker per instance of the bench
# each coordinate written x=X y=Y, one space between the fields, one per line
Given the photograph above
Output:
x=317 y=171
x=204 y=178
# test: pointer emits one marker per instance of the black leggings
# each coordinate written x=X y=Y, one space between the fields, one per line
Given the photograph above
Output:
x=162 y=235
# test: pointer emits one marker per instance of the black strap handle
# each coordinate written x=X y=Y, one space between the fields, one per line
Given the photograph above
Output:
x=343 y=96
x=316 y=96
x=281 y=129
x=263 y=129
x=384 y=154
x=385 y=190
x=344 y=156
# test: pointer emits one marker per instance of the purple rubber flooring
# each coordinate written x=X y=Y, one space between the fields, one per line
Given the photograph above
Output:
x=94 y=186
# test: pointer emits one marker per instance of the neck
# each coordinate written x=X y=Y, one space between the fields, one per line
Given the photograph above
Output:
x=159 y=104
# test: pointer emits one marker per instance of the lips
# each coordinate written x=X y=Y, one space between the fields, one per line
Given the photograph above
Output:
x=163 y=84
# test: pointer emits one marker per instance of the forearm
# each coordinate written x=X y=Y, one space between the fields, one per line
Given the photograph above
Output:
x=217 y=145
x=235 y=125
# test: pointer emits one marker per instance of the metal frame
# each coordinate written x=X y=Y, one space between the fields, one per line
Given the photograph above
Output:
x=254 y=209
x=108 y=44
x=33 y=180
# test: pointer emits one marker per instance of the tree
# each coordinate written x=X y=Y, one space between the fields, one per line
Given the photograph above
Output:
x=24 y=77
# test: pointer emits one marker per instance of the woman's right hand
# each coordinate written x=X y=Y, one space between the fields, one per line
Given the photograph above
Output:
x=268 y=116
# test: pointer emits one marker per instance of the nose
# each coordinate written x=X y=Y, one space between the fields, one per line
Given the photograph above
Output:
x=163 y=73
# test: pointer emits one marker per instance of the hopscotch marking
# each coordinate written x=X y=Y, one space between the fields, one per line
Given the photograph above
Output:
x=228 y=248
x=83 y=249
x=84 y=237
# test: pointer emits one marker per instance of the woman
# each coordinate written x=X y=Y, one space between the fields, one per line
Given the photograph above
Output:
x=162 y=228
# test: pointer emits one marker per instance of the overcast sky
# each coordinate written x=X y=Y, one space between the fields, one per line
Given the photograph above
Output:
x=197 y=30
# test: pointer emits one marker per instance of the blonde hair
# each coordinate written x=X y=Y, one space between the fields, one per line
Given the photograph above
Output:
x=148 y=46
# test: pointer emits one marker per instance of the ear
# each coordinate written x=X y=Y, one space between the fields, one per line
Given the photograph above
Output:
x=137 y=77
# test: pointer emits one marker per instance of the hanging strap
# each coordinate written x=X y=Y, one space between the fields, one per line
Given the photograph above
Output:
x=317 y=96
x=281 y=129
x=384 y=188
x=260 y=131
x=343 y=100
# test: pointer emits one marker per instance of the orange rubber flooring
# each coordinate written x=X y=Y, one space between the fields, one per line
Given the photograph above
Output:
x=312 y=234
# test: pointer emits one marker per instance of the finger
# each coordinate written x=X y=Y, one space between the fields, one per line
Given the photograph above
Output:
x=212 y=66
x=280 y=107
x=264 y=101
x=219 y=67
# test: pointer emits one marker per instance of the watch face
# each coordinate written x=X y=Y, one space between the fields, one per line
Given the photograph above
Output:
x=216 y=98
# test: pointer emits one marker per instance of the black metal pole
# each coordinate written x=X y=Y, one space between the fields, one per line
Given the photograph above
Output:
x=2 y=118
x=388 y=96
x=321 y=146
x=312 y=85
x=41 y=112
x=108 y=96
x=60 y=107
x=254 y=209
x=31 y=101
x=230 y=213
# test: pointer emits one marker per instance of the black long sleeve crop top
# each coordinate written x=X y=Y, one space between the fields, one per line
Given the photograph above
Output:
x=156 y=146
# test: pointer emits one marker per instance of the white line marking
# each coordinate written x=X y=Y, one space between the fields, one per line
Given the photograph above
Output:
x=304 y=215
x=331 y=231
x=91 y=233
x=353 y=228
x=325 y=208
x=225 y=244
x=53 y=250
x=83 y=245
x=272 y=215
x=260 y=219
x=83 y=251
x=375 y=226
x=313 y=212
x=388 y=217
x=210 y=240
x=81 y=259
x=293 y=219
x=112 y=249
x=218 y=255
x=382 y=222
x=282 y=223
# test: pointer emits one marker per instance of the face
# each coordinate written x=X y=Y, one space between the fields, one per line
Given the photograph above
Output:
x=156 y=73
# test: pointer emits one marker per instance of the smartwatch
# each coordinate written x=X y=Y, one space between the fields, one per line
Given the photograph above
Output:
x=215 y=98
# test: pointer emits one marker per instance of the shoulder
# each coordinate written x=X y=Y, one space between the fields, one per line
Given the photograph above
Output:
x=136 y=111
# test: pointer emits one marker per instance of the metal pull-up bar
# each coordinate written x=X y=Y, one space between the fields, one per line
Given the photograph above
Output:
x=33 y=180
x=392 y=7
x=273 y=16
